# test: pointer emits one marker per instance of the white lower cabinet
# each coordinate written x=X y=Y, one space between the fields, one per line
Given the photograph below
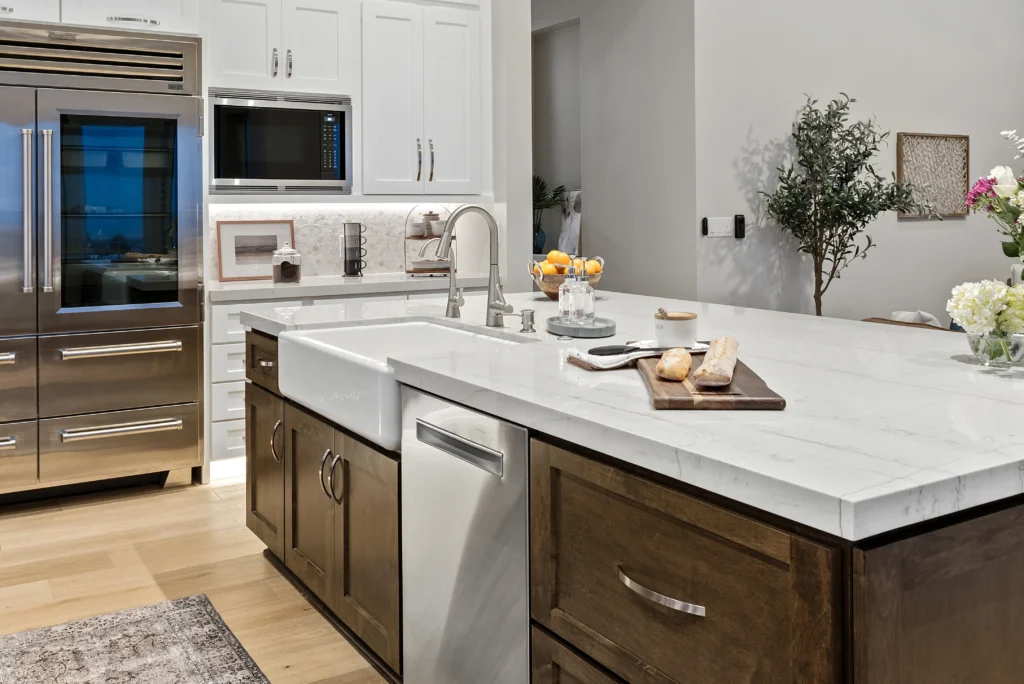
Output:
x=30 y=10
x=227 y=440
x=228 y=399
x=165 y=16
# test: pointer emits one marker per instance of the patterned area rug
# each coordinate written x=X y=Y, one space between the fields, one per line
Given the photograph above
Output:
x=176 y=642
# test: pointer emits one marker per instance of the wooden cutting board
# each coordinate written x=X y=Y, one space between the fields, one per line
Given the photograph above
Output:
x=748 y=392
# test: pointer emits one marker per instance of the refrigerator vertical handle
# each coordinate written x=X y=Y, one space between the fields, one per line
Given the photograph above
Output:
x=47 y=211
x=27 y=234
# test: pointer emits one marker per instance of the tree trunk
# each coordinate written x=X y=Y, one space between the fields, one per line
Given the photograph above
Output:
x=819 y=267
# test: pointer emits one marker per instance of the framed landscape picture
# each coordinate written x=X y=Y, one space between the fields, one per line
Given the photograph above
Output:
x=245 y=248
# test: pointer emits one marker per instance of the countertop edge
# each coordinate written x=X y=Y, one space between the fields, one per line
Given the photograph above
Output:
x=260 y=291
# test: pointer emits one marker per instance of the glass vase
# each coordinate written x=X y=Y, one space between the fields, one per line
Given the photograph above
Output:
x=997 y=350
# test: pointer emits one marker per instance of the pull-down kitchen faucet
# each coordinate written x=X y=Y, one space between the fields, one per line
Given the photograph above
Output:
x=496 y=305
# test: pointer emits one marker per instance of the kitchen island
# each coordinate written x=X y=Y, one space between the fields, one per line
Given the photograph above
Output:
x=885 y=499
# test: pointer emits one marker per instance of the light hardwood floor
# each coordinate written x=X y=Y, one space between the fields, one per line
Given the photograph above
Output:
x=75 y=558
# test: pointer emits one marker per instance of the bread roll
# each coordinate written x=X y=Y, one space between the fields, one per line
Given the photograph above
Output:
x=719 y=363
x=675 y=365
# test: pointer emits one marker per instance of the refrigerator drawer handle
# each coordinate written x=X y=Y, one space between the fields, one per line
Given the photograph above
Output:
x=27 y=237
x=8 y=443
x=8 y=359
x=126 y=430
x=477 y=455
x=120 y=350
x=47 y=210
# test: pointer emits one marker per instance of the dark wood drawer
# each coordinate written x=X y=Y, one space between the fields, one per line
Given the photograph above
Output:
x=553 y=663
x=96 y=372
x=661 y=587
x=261 y=361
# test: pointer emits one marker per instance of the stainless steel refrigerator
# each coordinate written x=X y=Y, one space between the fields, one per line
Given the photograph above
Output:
x=100 y=254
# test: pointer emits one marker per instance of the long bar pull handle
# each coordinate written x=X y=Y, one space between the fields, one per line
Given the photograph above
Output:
x=124 y=430
x=419 y=157
x=8 y=443
x=27 y=237
x=432 y=160
x=276 y=63
x=290 y=62
x=8 y=359
x=47 y=211
x=660 y=599
x=135 y=20
x=120 y=350
x=476 y=455
x=323 y=462
x=330 y=481
x=273 y=440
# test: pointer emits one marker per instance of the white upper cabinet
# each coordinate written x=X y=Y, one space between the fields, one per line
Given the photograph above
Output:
x=243 y=44
x=321 y=46
x=168 y=16
x=451 y=68
x=308 y=46
x=394 y=158
x=30 y=10
x=422 y=99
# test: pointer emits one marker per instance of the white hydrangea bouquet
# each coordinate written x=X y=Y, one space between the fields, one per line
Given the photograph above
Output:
x=992 y=314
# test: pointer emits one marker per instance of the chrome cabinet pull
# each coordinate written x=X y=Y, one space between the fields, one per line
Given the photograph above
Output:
x=660 y=599
x=135 y=20
x=8 y=359
x=273 y=439
x=432 y=160
x=276 y=63
x=290 y=63
x=323 y=462
x=8 y=443
x=47 y=211
x=477 y=455
x=7 y=10
x=124 y=430
x=120 y=350
x=27 y=255
x=265 y=364
x=419 y=156
x=330 y=480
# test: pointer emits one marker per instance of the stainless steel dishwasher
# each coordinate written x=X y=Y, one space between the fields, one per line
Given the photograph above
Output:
x=465 y=546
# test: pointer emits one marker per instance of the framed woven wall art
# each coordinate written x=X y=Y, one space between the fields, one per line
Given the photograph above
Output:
x=940 y=166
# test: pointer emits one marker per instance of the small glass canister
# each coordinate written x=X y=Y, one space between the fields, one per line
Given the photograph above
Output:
x=287 y=264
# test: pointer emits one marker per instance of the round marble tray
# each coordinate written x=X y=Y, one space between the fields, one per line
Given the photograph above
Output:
x=602 y=327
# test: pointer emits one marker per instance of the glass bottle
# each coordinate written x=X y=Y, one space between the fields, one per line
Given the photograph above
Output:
x=585 y=300
x=565 y=294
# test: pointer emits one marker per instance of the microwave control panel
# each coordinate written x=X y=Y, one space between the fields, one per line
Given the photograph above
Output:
x=331 y=142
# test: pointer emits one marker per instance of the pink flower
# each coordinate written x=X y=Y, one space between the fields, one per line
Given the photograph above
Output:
x=982 y=190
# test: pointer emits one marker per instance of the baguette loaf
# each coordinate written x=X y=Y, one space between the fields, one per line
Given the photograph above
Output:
x=675 y=365
x=719 y=363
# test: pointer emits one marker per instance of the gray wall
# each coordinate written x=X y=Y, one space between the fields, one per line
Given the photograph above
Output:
x=557 y=118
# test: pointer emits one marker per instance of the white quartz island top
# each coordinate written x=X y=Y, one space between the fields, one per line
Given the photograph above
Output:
x=885 y=426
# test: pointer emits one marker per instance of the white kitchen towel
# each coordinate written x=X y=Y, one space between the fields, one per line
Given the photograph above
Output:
x=580 y=358
x=572 y=221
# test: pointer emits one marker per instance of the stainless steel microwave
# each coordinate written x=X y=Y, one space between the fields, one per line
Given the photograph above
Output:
x=280 y=143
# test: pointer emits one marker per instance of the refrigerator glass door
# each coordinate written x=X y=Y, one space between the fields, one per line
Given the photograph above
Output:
x=119 y=210
x=17 y=222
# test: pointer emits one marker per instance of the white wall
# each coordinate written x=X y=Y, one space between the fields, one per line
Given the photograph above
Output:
x=638 y=148
x=918 y=65
x=557 y=118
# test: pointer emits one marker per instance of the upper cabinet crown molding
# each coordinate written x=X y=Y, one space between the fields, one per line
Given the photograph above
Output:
x=308 y=46
x=30 y=10
x=422 y=81
x=165 y=16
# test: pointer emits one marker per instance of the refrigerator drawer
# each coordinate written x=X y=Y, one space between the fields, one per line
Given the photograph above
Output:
x=19 y=455
x=116 y=444
x=17 y=379
x=98 y=372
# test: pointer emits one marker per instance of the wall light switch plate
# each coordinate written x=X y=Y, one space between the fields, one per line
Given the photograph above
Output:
x=720 y=227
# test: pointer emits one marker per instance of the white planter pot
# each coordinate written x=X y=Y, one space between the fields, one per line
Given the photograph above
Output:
x=1018 y=274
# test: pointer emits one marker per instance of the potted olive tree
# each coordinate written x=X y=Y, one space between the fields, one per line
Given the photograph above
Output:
x=827 y=198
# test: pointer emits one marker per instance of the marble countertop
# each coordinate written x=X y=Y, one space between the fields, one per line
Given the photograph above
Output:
x=885 y=426
x=335 y=286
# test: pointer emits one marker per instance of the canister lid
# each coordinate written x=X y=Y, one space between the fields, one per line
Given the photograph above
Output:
x=286 y=254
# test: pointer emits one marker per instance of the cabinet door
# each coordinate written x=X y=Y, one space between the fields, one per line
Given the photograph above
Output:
x=321 y=46
x=452 y=91
x=244 y=44
x=366 y=565
x=264 y=467
x=165 y=16
x=30 y=10
x=309 y=509
x=393 y=145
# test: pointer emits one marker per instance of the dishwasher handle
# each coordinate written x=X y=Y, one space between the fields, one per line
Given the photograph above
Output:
x=477 y=455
